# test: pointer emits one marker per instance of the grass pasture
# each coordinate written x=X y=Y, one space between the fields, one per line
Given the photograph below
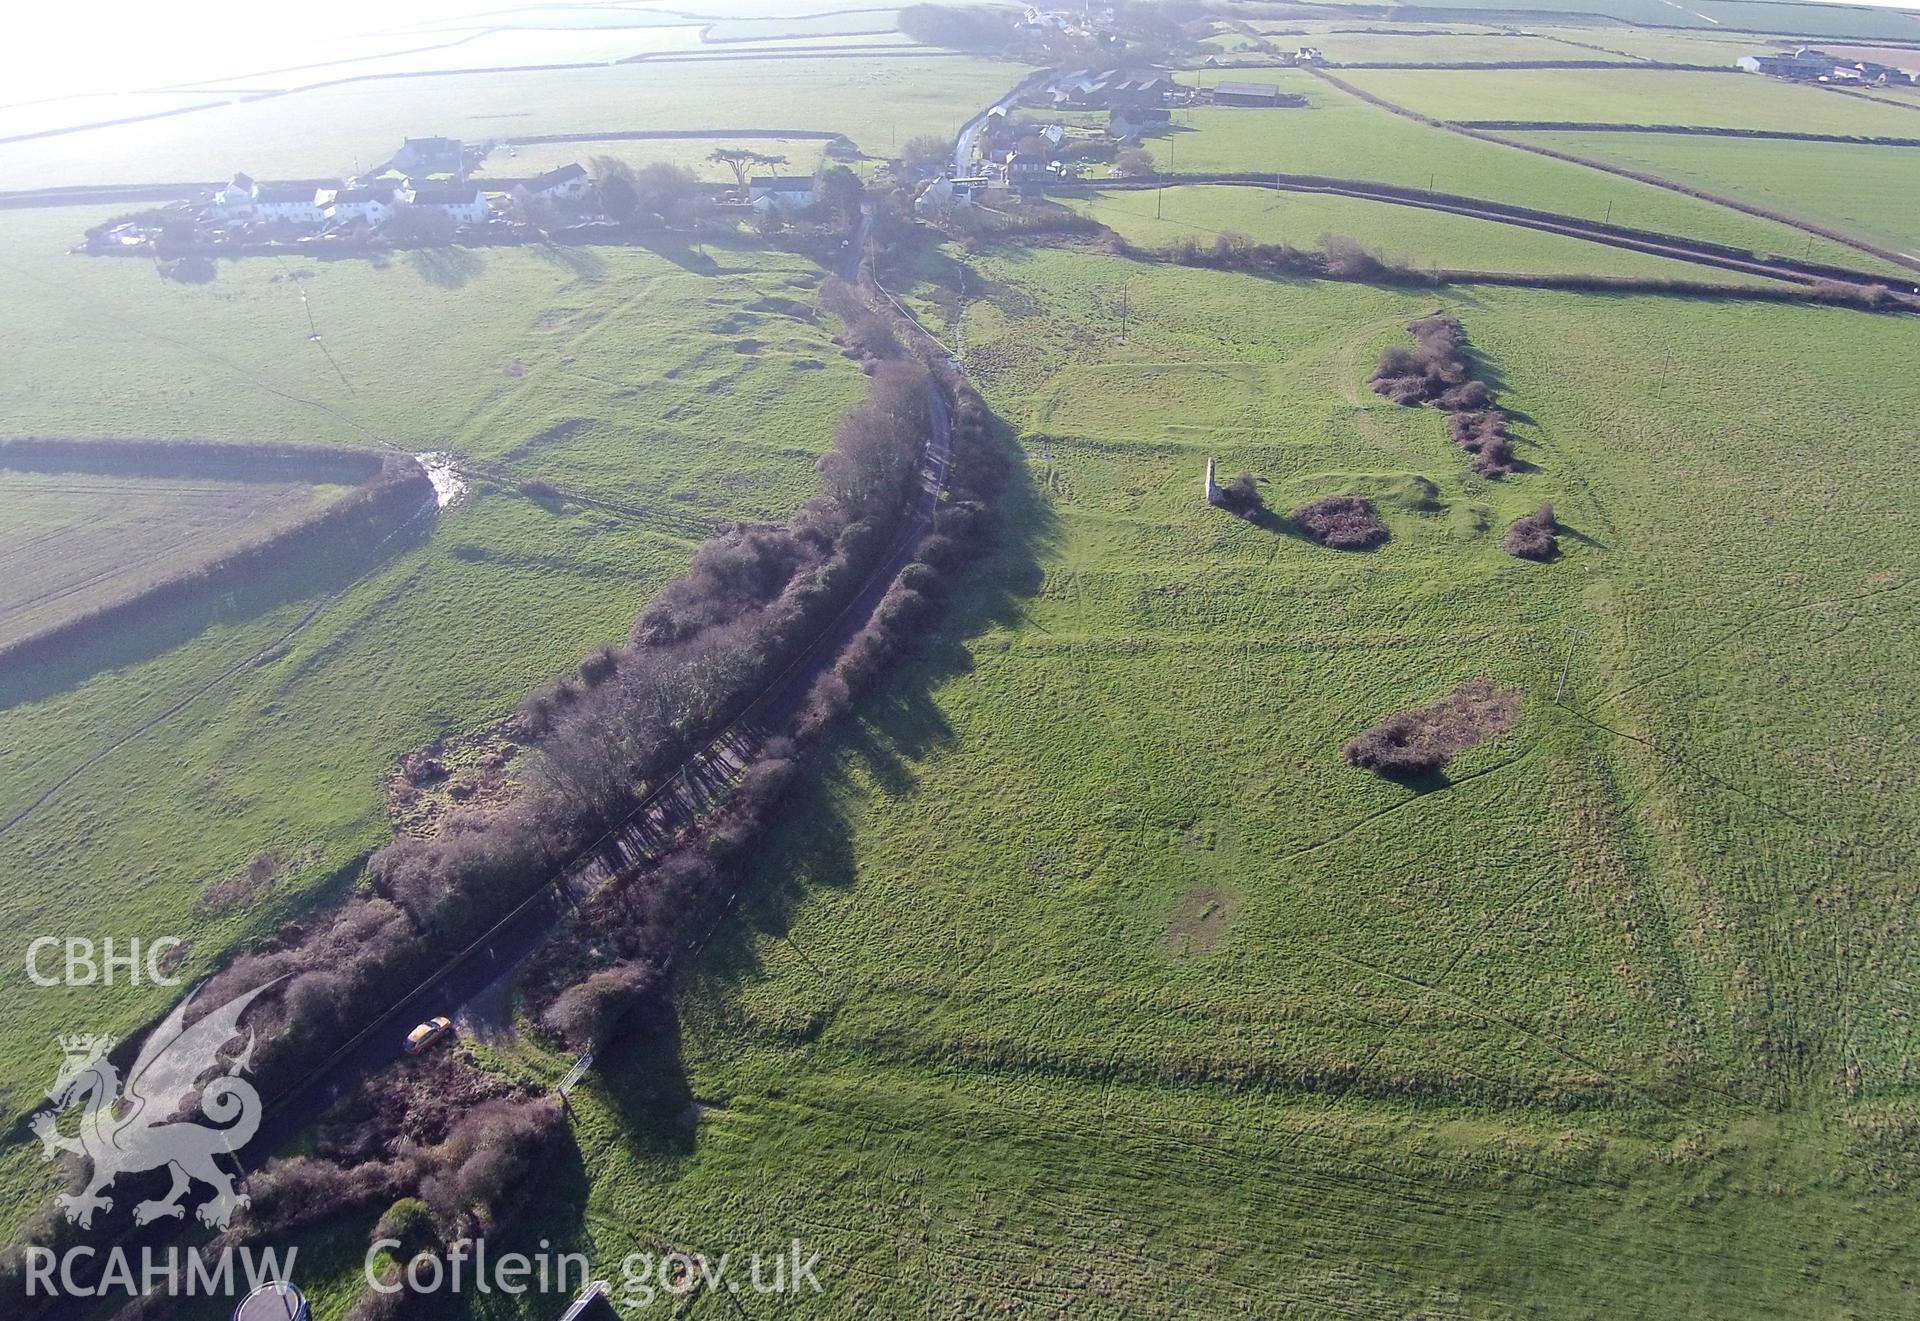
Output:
x=76 y=540
x=1799 y=17
x=804 y=155
x=324 y=131
x=670 y=378
x=687 y=387
x=1086 y=945
x=1634 y=96
x=1405 y=235
x=1448 y=48
x=1343 y=137
x=1873 y=192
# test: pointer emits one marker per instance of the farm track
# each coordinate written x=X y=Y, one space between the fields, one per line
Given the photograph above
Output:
x=1648 y=242
x=1842 y=237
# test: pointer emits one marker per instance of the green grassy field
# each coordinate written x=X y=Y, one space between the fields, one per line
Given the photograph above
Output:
x=1341 y=136
x=75 y=540
x=1634 y=96
x=689 y=387
x=804 y=155
x=326 y=131
x=1487 y=48
x=1406 y=235
x=1864 y=22
x=635 y=374
x=1873 y=192
x=1086 y=977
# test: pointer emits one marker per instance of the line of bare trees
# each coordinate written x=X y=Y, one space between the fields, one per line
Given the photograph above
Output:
x=754 y=598
x=609 y=981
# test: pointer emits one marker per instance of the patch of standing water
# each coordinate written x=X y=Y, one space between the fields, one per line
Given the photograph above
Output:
x=448 y=485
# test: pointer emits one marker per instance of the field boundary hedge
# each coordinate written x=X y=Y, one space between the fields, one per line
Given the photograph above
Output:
x=1353 y=264
x=391 y=489
x=1700 y=251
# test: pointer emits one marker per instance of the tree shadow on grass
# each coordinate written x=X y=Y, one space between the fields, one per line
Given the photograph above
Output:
x=814 y=844
x=578 y=259
x=314 y=574
x=1566 y=530
x=450 y=267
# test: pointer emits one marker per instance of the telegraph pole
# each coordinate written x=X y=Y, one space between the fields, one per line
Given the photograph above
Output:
x=1573 y=636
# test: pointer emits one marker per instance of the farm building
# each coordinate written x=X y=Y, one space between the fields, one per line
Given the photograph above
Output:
x=1128 y=125
x=430 y=156
x=1028 y=170
x=944 y=194
x=289 y=203
x=569 y=183
x=1246 y=94
x=371 y=205
x=237 y=198
x=463 y=203
x=1804 y=63
x=1091 y=90
x=782 y=192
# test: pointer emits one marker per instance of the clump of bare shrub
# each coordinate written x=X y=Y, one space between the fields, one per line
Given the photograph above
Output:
x=591 y=1014
x=1241 y=495
x=1534 y=537
x=1343 y=522
x=1421 y=741
x=1438 y=370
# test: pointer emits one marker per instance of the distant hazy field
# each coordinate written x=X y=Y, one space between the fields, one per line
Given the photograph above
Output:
x=331 y=131
x=804 y=155
x=1635 y=96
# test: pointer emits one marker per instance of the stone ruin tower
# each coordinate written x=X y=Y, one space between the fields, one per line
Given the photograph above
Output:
x=1212 y=488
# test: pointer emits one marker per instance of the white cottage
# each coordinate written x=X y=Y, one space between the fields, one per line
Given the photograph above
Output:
x=782 y=192
x=370 y=205
x=463 y=204
x=569 y=183
x=289 y=203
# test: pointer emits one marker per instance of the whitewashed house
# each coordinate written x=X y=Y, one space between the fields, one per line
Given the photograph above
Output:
x=289 y=203
x=237 y=198
x=462 y=203
x=369 y=205
x=771 y=192
x=568 y=184
x=943 y=195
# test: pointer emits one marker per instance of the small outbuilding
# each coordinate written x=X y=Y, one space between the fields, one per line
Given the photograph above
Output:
x=1233 y=92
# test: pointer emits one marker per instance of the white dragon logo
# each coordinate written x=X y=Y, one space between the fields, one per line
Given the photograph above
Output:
x=140 y=1127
